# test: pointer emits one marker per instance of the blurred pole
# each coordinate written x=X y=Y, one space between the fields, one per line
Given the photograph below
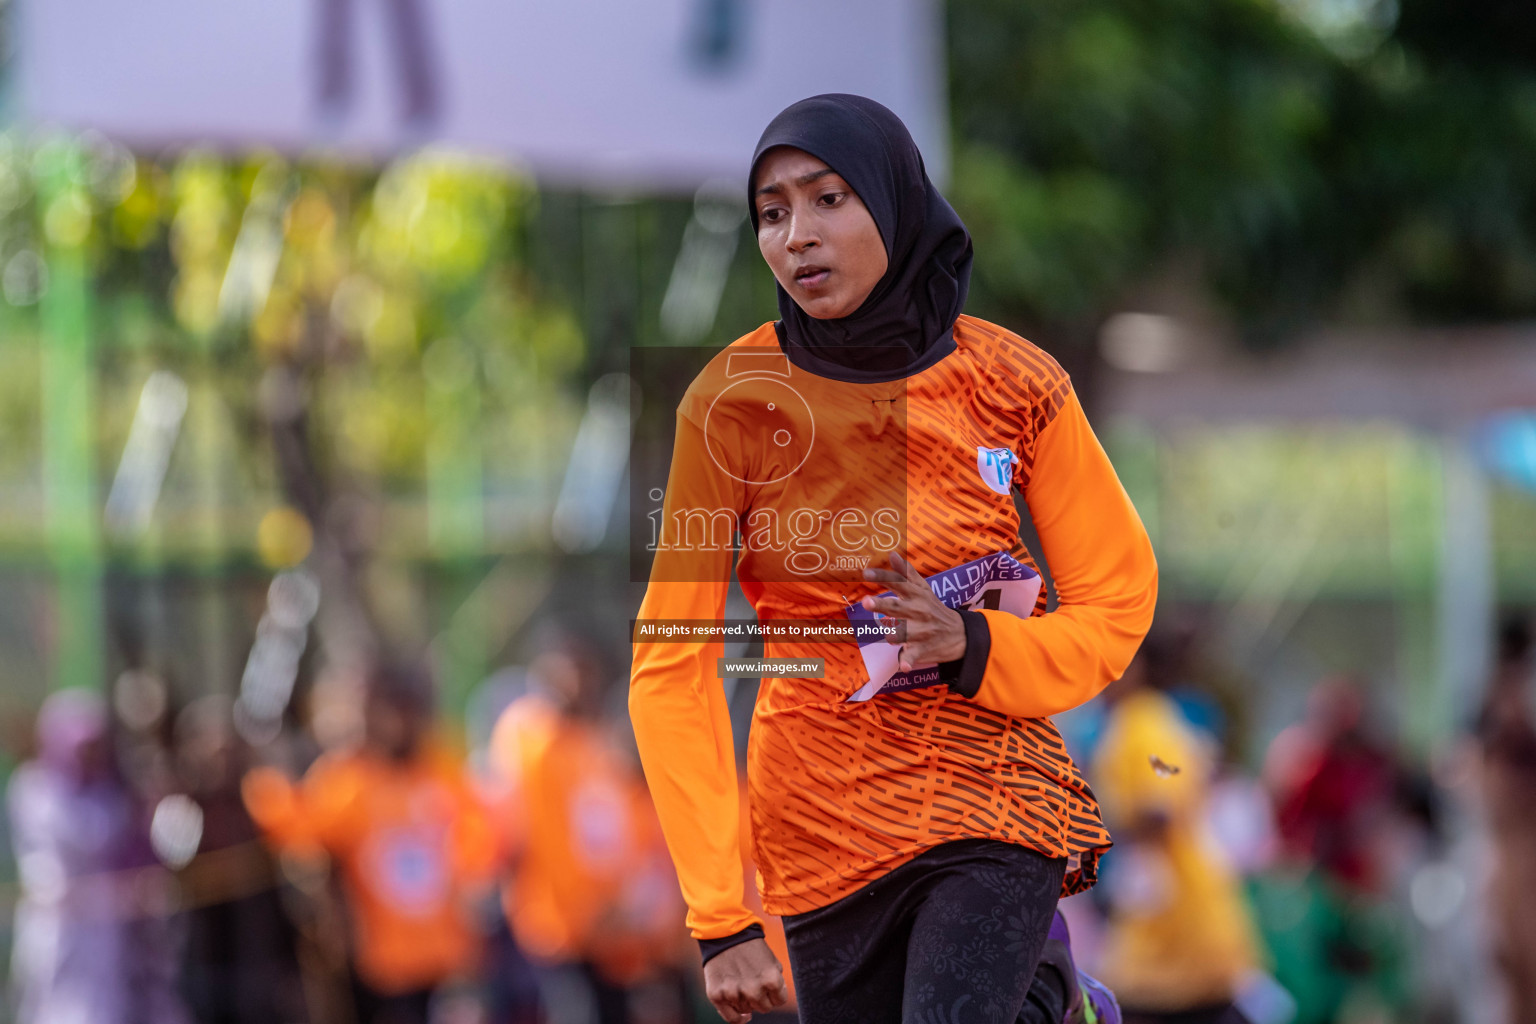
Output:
x=455 y=479
x=1468 y=587
x=146 y=455
x=1414 y=517
x=610 y=264
x=136 y=607
x=455 y=467
x=68 y=408
x=348 y=633
x=211 y=458
x=594 y=476
x=703 y=263
x=243 y=288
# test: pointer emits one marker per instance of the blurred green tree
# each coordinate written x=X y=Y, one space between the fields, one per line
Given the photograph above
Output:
x=1295 y=162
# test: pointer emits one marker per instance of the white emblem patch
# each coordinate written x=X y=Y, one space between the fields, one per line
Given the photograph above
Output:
x=996 y=468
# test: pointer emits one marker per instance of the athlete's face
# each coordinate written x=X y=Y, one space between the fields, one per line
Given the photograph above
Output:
x=816 y=234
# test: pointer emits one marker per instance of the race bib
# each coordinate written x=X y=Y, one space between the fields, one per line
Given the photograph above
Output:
x=997 y=581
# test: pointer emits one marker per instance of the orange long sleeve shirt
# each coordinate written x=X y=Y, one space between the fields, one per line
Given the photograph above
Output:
x=818 y=478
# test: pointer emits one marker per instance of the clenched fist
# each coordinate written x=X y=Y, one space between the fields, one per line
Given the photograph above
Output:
x=743 y=979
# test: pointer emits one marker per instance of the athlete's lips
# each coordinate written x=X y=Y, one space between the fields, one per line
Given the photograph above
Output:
x=812 y=276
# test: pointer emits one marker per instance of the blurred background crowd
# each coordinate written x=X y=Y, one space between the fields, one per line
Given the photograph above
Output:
x=317 y=554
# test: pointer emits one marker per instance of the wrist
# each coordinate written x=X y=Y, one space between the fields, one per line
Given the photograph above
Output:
x=711 y=948
x=963 y=674
x=957 y=644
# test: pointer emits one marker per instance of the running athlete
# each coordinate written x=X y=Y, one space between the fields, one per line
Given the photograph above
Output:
x=914 y=815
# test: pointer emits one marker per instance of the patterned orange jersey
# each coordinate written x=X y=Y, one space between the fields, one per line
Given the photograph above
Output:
x=817 y=479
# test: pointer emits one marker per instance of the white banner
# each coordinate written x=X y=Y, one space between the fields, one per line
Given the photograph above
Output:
x=625 y=93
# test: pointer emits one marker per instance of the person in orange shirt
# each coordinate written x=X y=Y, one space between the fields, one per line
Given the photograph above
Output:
x=410 y=842
x=914 y=813
x=592 y=897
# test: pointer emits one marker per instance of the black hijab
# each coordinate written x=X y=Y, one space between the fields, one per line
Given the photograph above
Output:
x=907 y=322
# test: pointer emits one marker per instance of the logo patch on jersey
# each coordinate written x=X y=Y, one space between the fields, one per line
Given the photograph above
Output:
x=996 y=467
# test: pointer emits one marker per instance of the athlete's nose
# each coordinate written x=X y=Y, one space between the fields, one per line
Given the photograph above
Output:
x=802 y=234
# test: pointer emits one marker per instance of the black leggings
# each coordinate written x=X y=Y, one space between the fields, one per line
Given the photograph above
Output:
x=950 y=937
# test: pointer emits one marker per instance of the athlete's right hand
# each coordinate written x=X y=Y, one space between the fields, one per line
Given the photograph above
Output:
x=745 y=978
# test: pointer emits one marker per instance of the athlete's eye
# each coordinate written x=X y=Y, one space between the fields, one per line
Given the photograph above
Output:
x=830 y=199
x=770 y=215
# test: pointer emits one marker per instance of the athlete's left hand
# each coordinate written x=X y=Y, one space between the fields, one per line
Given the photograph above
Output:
x=929 y=629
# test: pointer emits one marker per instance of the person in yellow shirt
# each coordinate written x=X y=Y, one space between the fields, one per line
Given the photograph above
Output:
x=1180 y=943
x=408 y=838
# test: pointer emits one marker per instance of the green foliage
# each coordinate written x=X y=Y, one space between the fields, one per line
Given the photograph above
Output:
x=219 y=269
x=1357 y=173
